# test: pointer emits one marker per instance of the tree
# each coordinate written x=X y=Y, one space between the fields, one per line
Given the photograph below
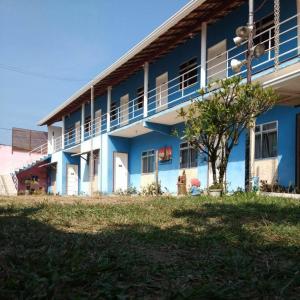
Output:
x=213 y=124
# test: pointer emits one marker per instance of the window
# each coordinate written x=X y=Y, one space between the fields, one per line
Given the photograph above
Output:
x=266 y=140
x=188 y=73
x=113 y=111
x=188 y=156
x=267 y=37
x=148 y=158
x=87 y=124
x=140 y=98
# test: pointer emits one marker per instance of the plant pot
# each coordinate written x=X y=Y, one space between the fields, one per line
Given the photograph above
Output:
x=215 y=192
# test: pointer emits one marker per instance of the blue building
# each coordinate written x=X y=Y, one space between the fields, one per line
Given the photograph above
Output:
x=116 y=131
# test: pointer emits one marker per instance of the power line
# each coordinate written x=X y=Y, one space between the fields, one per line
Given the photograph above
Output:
x=37 y=74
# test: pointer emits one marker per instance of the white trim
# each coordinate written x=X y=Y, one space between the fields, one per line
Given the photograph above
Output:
x=146 y=87
x=108 y=108
x=173 y=20
x=203 y=55
x=63 y=133
x=82 y=121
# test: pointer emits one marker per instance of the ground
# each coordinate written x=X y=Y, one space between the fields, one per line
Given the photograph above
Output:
x=238 y=247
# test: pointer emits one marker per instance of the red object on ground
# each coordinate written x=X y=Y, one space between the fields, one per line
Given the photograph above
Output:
x=195 y=182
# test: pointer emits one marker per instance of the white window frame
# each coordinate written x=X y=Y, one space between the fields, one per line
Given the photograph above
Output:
x=261 y=132
x=147 y=156
x=189 y=148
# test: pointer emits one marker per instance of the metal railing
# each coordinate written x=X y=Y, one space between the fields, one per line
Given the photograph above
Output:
x=184 y=87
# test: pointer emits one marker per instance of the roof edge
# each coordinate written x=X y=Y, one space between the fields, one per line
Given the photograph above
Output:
x=175 y=18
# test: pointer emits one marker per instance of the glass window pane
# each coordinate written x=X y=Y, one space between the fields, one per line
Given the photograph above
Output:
x=184 y=159
x=193 y=157
x=150 y=164
x=269 y=144
x=269 y=126
x=258 y=146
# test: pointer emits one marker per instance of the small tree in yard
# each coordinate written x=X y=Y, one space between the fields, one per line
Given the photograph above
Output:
x=213 y=125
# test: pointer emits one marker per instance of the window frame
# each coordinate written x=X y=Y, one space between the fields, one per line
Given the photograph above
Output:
x=147 y=156
x=87 y=125
x=261 y=133
x=184 y=70
x=188 y=148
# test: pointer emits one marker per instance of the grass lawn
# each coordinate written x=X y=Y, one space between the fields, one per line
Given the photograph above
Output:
x=241 y=247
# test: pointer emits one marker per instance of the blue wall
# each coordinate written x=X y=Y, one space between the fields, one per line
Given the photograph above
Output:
x=286 y=117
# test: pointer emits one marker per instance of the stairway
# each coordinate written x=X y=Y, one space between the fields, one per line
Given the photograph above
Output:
x=7 y=186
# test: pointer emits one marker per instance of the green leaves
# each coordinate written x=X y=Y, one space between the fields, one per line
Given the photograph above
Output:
x=214 y=123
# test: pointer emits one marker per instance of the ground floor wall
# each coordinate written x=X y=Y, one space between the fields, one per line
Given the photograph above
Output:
x=281 y=167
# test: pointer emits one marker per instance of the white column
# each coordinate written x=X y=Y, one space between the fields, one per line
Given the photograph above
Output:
x=63 y=133
x=108 y=107
x=92 y=150
x=203 y=54
x=146 y=87
x=82 y=121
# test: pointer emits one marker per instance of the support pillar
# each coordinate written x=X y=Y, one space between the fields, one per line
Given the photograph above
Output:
x=203 y=55
x=82 y=121
x=92 y=137
x=63 y=133
x=108 y=107
x=146 y=87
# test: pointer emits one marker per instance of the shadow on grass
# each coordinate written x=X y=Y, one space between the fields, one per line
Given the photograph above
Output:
x=218 y=252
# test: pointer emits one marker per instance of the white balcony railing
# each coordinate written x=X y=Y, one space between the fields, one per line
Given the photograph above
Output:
x=178 y=90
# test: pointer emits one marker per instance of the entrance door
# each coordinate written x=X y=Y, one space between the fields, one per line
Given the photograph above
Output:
x=162 y=92
x=217 y=62
x=96 y=167
x=120 y=171
x=124 y=110
x=77 y=132
x=72 y=180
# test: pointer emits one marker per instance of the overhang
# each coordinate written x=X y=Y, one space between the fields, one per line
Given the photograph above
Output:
x=176 y=30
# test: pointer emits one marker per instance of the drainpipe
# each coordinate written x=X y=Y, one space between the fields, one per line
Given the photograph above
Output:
x=63 y=133
x=82 y=122
x=108 y=107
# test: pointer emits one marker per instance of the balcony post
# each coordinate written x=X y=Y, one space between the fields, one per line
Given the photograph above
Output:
x=108 y=107
x=146 y=87
x=91 y=162
x=63 y=133
x=82 y=121
x=203 y=55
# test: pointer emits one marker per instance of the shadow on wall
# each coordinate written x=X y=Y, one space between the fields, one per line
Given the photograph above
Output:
x=206 y=254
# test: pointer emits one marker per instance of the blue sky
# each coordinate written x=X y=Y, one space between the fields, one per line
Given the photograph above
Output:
x=65 y=43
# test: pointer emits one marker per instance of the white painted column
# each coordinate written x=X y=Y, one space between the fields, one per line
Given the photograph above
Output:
x=203 y=55
x=298 y=23
x=92 y=136
x=108 y=107
x=82 y=121
x=63 y=133
x=146 y=88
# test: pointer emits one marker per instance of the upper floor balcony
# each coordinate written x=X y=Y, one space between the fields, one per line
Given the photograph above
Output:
x=160 y=103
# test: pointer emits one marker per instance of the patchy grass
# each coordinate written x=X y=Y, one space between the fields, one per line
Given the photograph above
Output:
x=241 y=247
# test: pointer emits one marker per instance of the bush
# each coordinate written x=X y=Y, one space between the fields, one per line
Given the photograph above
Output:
x=152 y=190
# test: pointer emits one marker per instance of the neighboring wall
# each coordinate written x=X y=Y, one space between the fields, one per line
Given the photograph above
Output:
x=9 y=161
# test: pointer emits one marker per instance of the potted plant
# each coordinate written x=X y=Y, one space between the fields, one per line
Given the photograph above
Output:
x=216 y=190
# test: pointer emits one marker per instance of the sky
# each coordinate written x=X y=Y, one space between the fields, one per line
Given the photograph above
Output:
x=51 y=48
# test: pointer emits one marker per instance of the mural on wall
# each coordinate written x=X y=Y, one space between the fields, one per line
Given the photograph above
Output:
x=165 y=154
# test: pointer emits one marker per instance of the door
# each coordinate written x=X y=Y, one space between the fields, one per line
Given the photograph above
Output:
x=53 y=179
x=98 y=121
x=162 y=92
x=124 y=110
x=72 y=180
x=217 y=62
x=77 y=132
x=96 y=169
x=120 y=171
